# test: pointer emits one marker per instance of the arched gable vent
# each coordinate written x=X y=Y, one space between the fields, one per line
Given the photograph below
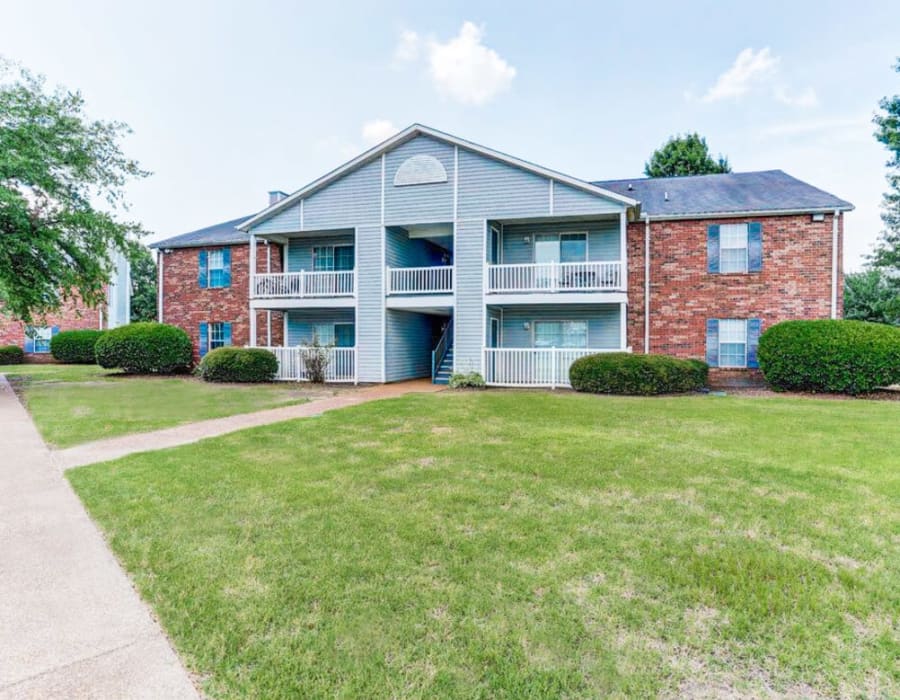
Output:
x=420 y=170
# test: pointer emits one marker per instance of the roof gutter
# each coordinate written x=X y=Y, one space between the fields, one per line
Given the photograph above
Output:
x=736 y=214
x=835 y=247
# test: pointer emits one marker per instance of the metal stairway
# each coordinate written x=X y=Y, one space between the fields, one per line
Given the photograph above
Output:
x=442 y=357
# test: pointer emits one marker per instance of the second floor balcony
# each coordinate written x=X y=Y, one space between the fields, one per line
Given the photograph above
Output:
x=304 y=285
x=553 y=277
x=437 y=279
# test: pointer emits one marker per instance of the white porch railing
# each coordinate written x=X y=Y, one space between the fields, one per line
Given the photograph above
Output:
x=420 y=280
x=555 y=277
x=544 y=367
x=341 y=283
x=292 y=364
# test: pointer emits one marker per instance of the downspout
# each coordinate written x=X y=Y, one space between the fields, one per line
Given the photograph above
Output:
x=834 y=262
x=268 y=311
x=159 y=287
x=646 y=283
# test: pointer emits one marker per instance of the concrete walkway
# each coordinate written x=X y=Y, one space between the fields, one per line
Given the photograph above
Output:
x=112 y=448
x=71 y=625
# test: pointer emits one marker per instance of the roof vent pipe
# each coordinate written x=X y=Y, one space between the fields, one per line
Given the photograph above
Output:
x=630 y=187
x=276 y=196
x=666 y=196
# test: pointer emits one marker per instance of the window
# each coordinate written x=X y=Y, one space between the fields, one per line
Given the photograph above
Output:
x=215 y=268
x=333 y=257
x=37 y=339
x=341 y=335
x=732 y=343
x=733 y=248
x=217 y=336
x=560 y=334
x=560 y=247
x=494 y=252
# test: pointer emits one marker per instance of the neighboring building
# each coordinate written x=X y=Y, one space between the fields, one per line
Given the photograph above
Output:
x=34 y=338
x=430 y=254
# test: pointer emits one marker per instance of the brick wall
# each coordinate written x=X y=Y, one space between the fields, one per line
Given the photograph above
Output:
x=186 y=305
x=795 y=281
x=72 y=315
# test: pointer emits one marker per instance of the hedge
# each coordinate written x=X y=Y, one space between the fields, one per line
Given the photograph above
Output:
x=644 y=375
x=144 y=348
x=75 y=347
x=847 y=357
x=11 y=355
x=238 y=365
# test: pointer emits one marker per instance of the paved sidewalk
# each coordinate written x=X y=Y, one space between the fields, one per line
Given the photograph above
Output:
x=71 y=625
x=112 y=448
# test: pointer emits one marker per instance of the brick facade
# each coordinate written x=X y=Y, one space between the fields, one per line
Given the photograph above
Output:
x=72 y=315
x=186 y=305
x=794 y=283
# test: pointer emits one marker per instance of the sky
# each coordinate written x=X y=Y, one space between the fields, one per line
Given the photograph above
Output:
x=228 y=100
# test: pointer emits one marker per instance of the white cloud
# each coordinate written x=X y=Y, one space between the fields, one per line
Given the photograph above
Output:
x=749 y=68
x=462 y=68
x=803 y=98
x=377 y=131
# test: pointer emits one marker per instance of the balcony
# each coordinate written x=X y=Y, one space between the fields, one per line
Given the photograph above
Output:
x=304 y=285
x=532 y=367
x=555 y=277
x=292 y=367
x=420 y=280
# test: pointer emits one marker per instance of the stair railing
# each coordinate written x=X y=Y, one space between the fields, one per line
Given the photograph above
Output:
x=440 y=350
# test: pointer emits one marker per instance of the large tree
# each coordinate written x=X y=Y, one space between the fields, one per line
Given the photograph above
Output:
x=143 y=286
x=871 y=295
x=62 y=179
x=887 y=250
x=685 y=155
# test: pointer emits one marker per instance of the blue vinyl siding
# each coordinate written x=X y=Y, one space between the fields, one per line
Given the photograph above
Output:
x=569 y=200
x=355 y=199
x=418 y=203
x=286 y=221
x=491 y=189
x=408 y=345
x=602 y=320
x=604 y=239
x=469 y=322
x=300 y=323
x=299 y=250
x=402 y=251
x=370 y=304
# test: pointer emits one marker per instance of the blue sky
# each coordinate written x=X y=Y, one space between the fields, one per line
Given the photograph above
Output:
x=231 y=99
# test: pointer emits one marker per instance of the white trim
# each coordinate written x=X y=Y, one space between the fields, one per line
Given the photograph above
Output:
x=646 y=284
x=623 y=325
x=421 y=301
x=383 y=230
x=252 y=276
x=160 y=295
x=309 y=303
x=623 y=248
x=455 y=184
x=834 y=262
x=556 y=298
x=699 y=216
x=559 y=235
x=284 y=321
x=587 y=331
x=416 y=130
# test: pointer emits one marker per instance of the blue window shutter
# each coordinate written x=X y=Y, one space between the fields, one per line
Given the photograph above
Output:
x=712 y=248
x=226 y=267
x=226 y=333
x=712 y=342
x=754 y=326
x=202 y=270
x=754 y=247
x=54 y=331
x=29 y=341
x=204 y=338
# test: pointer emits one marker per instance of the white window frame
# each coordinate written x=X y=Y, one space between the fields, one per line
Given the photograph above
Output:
x=587 y=331
x=333 y=256
x=217 y=255
x=559 y=235
x=44 y=334
x=332 y=326
x=731 y=231
x=215 y=328
x=723 y=324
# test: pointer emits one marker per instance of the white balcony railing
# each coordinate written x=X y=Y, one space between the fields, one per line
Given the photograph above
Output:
x=420 y=280
x=555 y=277
x=301 y=285
x=538 y=367
x=292 y=364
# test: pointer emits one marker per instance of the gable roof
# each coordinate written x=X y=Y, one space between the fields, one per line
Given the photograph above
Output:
x=218 y=234
x=763 y=192
x=412 y=132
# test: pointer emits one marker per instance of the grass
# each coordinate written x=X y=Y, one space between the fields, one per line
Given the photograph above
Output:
x=73 y=404
x=525 y=545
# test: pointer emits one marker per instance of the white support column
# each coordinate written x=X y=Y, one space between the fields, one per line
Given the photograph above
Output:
x=834 y=262
x=268 y=311
x=251 y=310
x=159 y=286
x=623 y=326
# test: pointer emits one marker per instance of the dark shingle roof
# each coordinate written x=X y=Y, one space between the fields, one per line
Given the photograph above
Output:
x=767 y=190
x=218 y=234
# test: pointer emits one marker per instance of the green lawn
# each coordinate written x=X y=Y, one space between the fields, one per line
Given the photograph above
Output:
x=525 y=545
x=72 y=404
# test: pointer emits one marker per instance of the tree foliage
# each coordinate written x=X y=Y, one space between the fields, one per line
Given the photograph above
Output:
x=685 y=155
x=143 y=286
x=58 y=168
x=887 y=250
x=873 y=296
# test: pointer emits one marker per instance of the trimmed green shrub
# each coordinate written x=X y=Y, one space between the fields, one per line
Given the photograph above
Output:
x=643 y=375
x=847 y=357
x=145 y=348
x=75 y=347
x=466 y=380
x=238 y=365
x=11 y=355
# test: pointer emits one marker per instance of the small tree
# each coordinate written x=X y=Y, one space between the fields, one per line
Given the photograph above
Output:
x=872 y=296
x=684 y=155
x=316 y=357
x=143 y=286
x=887 y=251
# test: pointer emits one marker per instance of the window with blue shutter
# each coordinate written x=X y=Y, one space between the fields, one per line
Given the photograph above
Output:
x=754 y=247
x=712 y=248
x=226 y=267
x=712 y=342
x=202 y=269
x=226 y=334
x=204 y=339
x=754 y=326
